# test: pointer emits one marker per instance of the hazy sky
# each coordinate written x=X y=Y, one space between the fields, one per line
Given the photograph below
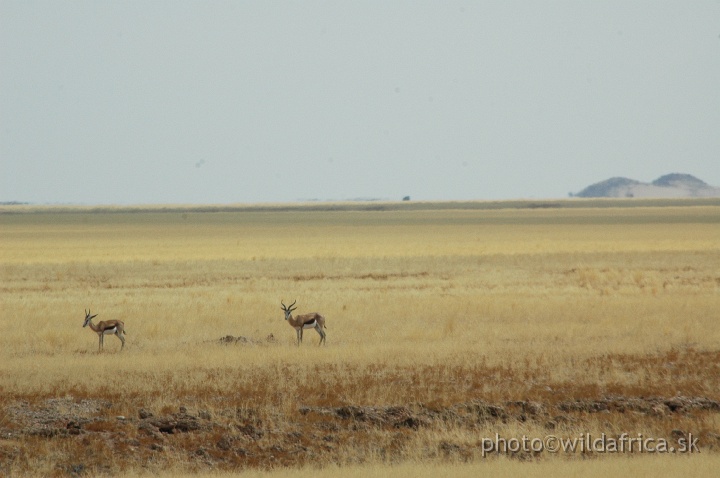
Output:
x=136 y=102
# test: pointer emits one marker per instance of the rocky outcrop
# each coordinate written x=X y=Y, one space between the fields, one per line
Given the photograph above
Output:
x=674 y=185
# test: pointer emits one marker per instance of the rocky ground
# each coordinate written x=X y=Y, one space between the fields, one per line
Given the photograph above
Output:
x=89 y=436
x=236 y=438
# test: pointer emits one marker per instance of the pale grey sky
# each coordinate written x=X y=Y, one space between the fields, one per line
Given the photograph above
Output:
x=137 y=102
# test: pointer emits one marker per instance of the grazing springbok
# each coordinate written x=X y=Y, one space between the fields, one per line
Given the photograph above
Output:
x=307 y=321
x=106 y=327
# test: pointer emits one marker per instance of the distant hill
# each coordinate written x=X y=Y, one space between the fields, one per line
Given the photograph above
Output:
x=669 y=186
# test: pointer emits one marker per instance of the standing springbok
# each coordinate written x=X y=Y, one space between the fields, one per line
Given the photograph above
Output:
x=106 y=327
x=307 y=321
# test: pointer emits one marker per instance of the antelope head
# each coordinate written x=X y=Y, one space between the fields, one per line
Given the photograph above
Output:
x=288 y=309
x=88 y=318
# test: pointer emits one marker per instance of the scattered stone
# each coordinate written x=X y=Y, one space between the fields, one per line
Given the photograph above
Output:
x=243 y=340
x=73 y=427
x=676 y=434
x=224 y=443
x=230 y=340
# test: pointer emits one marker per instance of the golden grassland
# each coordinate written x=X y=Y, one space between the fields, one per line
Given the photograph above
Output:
x=445 y=325
x=640 y=467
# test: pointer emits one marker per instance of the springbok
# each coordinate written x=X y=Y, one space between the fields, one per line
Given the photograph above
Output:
x=306 y=321
x=106 y=327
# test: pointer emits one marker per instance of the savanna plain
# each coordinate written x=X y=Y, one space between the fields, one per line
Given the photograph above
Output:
x=454 y=332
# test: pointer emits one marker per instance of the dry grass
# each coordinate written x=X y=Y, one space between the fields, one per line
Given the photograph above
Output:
x=427 y=309
x=641 y=467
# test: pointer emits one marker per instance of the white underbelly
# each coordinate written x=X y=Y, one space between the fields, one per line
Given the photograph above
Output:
x=110 y=331
x=311 y=325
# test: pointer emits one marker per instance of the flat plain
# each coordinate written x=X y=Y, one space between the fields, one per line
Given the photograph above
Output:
x=447 y=324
